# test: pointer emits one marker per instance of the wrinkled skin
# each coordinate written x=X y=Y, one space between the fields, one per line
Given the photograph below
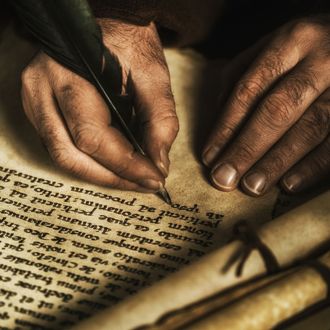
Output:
x=275 y=113
x=74 y=122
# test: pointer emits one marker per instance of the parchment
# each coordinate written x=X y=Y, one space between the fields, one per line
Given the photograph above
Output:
x=70 y=249
x=269 y=306
x=290 y=237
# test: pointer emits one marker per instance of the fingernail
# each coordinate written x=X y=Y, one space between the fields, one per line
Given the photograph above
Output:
x=292 y=183
x=255 y=182
x=225 y=177
x=151 y=184
x=209 y=155
x=164 y=163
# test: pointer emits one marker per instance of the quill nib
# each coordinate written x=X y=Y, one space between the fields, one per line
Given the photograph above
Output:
x=164 y=195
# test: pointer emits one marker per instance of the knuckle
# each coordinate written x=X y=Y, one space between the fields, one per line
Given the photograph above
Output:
x=76 y=169
x=60 y=156
x=87 y=138
x=297 y=87
x=272 y=64
x=115 y=183
x=275 y=112
x=150 y=51
x=306 y=28
x=165 y=119
x=223 y=132
x=171 y=121
x=174 y=126
x=161 y=118
x=28 y=77
x=276 y=164
x=124 y=164
x=246 y=91
x=317 y=124
x=123 y=167
x=67 y=91
x=51 y=140
x=25 y=75
x=63 y=159
x=245 y=153
x=45 y=125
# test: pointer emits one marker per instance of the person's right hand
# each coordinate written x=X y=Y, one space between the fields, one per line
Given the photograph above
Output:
x=74 y=122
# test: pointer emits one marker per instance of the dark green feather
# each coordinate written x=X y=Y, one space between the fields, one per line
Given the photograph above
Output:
x=68 y=32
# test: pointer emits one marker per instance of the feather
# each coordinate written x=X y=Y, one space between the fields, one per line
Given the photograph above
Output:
x=68 y=32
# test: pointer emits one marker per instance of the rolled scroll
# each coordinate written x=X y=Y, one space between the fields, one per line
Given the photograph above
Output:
x=287 y=239
x=267 y=307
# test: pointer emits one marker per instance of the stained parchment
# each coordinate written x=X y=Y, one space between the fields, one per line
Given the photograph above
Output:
x=68 y=248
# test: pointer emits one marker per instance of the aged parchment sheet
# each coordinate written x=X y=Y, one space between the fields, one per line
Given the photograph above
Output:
x=69 y=249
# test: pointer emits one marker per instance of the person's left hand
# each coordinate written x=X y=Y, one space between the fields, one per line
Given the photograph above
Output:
x=276 y=119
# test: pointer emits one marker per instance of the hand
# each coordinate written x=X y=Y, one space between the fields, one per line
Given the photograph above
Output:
x=275 y=121
x=74 y=122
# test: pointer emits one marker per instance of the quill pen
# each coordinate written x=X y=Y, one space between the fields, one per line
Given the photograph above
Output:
x=68 y=32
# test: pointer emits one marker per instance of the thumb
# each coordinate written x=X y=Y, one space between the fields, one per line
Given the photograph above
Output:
x=155 y=108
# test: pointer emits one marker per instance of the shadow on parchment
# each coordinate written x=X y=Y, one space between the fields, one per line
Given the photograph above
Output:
x=16 y=53
x=206 y=106
x=208 y=110
x=26 y=140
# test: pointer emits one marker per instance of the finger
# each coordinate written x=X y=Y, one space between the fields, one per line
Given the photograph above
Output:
x=311 y=129
x=43 y=114
x=232 y=71
x=155 y=107
x=149 y=82
x=313 y=169
x=273 y=62
x=88 y=119
x=273 y=117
